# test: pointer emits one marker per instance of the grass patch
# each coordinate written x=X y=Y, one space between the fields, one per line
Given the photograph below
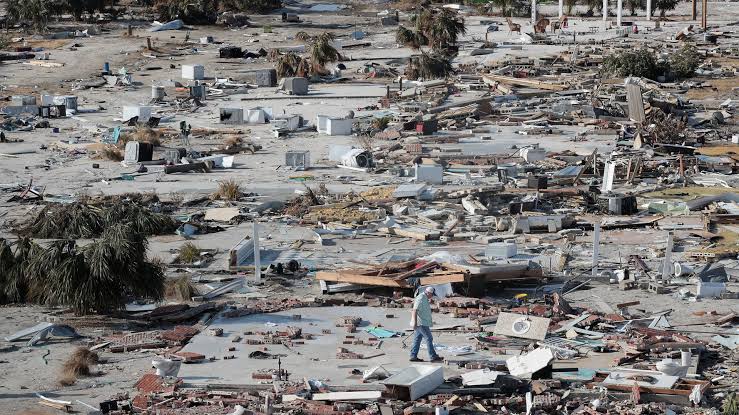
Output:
x=227 y=190
x=189 y=253
x=78 y=364
x=113 y=153
x=142 y=135
x=381 y=123
x=181 y=288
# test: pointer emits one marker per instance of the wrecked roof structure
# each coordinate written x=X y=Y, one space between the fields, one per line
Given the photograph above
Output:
x=235 y=208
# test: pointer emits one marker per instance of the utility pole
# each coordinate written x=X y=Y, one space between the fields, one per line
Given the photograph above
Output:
x=649 y=10
x=533 y=12
x=704 y=17
x=257 y=259
x=596 y=248
x=605 y=10
x=561 y=8
x=619 y=12
x=694 y=13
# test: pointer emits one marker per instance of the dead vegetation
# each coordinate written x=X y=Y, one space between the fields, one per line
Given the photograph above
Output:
x=180 y=288
x=232 y=142
x=115 y=152
x=366 y=141
x=82 y=220
x=228 y=189
x=189 y=253
x=77 y=365
x=98 y=276
x=112 y=152
x=142 y=135
x=426 y=66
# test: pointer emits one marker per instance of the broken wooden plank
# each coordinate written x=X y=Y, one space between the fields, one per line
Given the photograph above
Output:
x=348 y=276
x=347 y=396
x=442 y=279
x=492 y=79
x=412 y=232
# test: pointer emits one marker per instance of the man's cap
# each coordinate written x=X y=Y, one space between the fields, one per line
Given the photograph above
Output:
x=430 y=290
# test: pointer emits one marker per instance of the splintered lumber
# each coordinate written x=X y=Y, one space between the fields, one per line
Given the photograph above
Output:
x=65 y=406
x=354 y=278
x=442 y=278
x=412 y=232
x=500 y=272
x=58 y=406
x=682 y=387
x=183 y=168
x=532 y=83
x=45 y=64
x=348 y=396
x=422 y=268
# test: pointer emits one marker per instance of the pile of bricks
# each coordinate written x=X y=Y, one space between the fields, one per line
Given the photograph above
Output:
x=343 y=353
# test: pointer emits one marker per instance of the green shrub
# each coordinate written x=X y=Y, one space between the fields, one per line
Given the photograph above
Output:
x=641 y=63
x=684 y=62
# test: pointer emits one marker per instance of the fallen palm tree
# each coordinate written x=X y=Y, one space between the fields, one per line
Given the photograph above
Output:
x=82 y=220
x=428 y=66
x=13 y=265
x=98 y=277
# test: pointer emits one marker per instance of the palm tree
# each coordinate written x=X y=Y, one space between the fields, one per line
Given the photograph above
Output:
x=303 y=68
x=444 y=29
x=428 y=66
x=287 y=64
x=407 y=37
x=322 y=52
x=303 y=36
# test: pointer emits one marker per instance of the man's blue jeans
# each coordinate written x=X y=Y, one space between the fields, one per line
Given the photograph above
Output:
x=425 y=333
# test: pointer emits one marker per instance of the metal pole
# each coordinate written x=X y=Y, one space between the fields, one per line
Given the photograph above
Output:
x=257 y=259
x=667 y=267
x=561 y=8
x=649 y=10
x=605 y=10
x=694 y=10
x=704 y=17
x=619 y=12
x=596 y=248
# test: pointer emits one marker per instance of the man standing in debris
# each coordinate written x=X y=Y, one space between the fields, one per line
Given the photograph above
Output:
x=421 y=323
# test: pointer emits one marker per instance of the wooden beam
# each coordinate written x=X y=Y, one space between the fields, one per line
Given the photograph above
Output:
x=348 y=396
x=415 y=233
x=425 y=267
x=532 y=83
x=442 y=279
x=347 y=276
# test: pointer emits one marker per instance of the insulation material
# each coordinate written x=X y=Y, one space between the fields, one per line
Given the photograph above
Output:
x=526 y=365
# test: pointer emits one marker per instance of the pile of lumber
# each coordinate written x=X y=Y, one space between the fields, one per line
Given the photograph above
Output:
x=410 y=274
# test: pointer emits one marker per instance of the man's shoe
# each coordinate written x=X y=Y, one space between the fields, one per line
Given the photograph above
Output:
x=437 y=359
x=415 y=359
